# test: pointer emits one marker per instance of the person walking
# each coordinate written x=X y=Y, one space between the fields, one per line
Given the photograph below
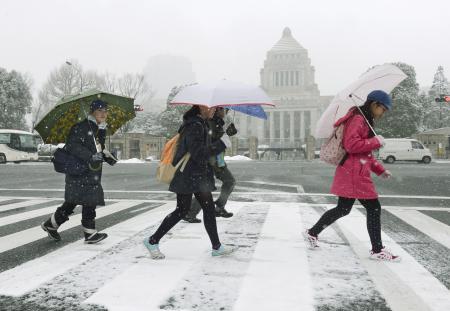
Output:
x=86 y=141
x=352 y=178
x=220 y=168
x=196 y=179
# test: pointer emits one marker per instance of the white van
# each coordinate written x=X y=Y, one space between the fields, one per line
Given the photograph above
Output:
x=403 y=149
x=17 y=146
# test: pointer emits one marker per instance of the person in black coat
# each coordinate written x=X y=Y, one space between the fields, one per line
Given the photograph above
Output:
x=220 y=168
x=196 y=179
x=86 y=141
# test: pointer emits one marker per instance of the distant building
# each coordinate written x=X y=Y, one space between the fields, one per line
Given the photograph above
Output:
x=437 y=140
x=289 y=79
x=136 y=145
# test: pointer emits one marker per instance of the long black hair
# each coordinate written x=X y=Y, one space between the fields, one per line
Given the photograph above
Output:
x=367 y=112
x=195 y=110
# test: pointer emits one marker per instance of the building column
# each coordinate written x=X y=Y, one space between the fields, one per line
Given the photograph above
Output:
x=272 y=127
x=291 y=119
x=302 y=126
x=282 y=127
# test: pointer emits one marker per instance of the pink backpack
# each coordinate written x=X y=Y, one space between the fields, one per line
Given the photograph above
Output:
x=332 y=151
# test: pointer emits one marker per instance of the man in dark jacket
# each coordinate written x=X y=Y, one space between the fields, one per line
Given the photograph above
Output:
x=86 y=141
x=220 y=169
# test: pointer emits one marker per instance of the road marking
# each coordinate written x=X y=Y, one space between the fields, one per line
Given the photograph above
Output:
x=27 y=215
x=30 y=275
x=406 y=286
x=20 y=238
x=23 y=204
x=278 y=246
x=428 y=225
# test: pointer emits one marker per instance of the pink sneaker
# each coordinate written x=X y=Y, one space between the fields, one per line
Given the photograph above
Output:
x=384 y=255
x=313 y=241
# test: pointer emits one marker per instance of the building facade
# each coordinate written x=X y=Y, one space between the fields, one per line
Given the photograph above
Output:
x=136 y=145
x=438 y=141
x=289 y=79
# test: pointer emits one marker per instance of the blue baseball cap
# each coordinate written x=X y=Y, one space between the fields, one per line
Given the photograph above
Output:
x=98 y=104
x=381 y=97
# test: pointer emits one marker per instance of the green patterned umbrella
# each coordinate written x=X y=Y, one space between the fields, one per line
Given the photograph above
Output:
x=55 y=126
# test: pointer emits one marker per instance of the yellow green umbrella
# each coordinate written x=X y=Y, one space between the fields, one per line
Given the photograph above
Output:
x=55 y=126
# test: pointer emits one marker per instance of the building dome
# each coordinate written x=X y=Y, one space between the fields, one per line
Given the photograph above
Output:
x=287 y=42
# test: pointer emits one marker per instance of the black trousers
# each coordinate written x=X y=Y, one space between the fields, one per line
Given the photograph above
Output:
x=183 y=205
x=87 y=214
x=343 y=208
x=228 y=182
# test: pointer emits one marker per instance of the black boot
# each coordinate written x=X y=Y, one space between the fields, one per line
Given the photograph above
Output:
x=91 y=236
x=192 y=219
x=222 y=212
x=51 y=228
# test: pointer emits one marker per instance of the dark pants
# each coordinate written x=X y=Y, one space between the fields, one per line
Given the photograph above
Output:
x=183 y=204
x=228 y=182
x=343 y=208
x=87 y=214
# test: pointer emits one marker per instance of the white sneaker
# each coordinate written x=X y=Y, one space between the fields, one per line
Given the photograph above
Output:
x=313 y=241
x=155 y=253
x=384 y=255
x=223 y=250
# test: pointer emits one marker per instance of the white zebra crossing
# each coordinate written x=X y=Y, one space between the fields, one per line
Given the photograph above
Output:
x=26 y=203
x=27 y=215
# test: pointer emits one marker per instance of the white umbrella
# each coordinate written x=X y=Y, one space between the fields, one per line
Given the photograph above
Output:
x=221 y=93
x=383 y=77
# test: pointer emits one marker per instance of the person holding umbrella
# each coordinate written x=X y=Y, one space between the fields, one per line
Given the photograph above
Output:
x=86 y=141
x=221 y=171
x=352 y=178
x=196 y=179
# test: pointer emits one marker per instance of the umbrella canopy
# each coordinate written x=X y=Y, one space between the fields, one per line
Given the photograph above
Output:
x=55 y=125
x=221 y=93
x=383 y=77
x=251 y=110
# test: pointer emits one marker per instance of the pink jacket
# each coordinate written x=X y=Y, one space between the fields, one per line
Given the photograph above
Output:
x=352 y=179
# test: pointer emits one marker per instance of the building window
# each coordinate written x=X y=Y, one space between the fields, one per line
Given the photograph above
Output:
x=297 y=124
x=287 y=124
x=267 y=126
x=276 y=121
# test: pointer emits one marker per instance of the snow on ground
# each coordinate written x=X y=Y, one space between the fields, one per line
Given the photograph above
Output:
x=237 y=158
x=131 y=161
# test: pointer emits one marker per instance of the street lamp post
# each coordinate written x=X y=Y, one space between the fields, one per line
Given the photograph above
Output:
x=79 y=74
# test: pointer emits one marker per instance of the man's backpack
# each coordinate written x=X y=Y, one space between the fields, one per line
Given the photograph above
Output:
x=332 y=150
x=166 y=171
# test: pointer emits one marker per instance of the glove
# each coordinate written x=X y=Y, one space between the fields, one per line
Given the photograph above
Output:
x=226 y=140
x=386 y=174
x=231 y=130
x=97 y=157
x=380 y=140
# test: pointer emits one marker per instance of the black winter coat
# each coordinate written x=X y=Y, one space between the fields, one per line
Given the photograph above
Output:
x=198 y=175
x=85 y=189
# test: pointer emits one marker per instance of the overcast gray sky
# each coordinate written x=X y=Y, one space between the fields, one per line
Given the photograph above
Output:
x=225 y=39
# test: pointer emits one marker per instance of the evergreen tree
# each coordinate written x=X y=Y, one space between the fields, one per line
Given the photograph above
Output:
x=15 y=100
x=404 y=119
x=437 y=114
x=171 y=118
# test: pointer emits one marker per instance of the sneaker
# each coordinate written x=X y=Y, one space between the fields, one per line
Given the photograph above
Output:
x=384 y=255
x=95 y=237
x=155 y=253
x=192 y=220
x=51 y=231
x=222 y=212
x=313 y=241
x=223 y=250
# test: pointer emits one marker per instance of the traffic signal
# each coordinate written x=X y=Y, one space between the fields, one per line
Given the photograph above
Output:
x=442 y=99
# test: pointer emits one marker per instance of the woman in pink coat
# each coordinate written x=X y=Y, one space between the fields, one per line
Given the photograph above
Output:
x=352 y=179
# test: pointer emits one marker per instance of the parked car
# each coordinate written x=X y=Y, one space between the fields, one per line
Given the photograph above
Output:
x=404 y=149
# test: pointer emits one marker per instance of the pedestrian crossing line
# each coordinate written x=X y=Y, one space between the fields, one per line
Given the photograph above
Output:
x=264 y=274
x=27 y=215
x=28 y=276
x=435 y=229
x=148 y=283
x=20 y=238
x=23 y=204
x=406 y=286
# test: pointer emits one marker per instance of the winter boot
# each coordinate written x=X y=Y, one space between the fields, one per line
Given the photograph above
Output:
x=94 y=237
x=155 y=253
x=50 y=226
x=222 y=212
x=192 y=220
x=313 y=241
x=384 y=255
x=223 y=250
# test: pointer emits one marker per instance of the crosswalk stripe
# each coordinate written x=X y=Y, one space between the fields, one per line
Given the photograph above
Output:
x=20 y=238
x=428 y=225
x=264 y=274
x=406 y=285
x=23 y=204
x=27 y=215
x=26 y=277
x=130 y=290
